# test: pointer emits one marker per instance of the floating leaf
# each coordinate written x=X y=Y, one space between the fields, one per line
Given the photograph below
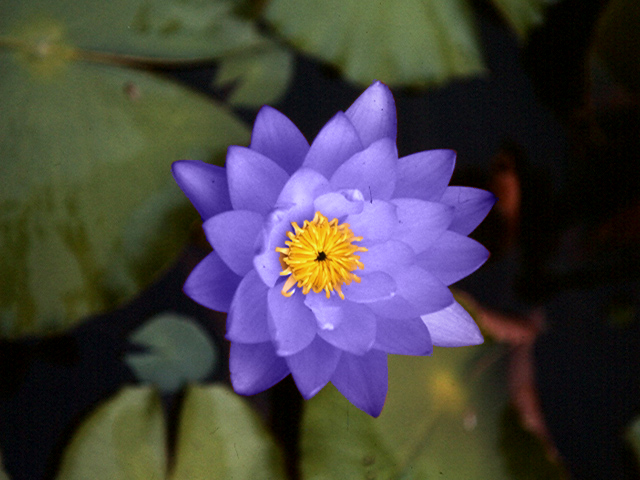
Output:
x=179 y=351
x=123 y=438
x=633 y=436
x=85 y=164
x=259 y=77
x=220 y=436
x=523 y=15
x=442 y=417
x=169 y=29
x=617 y=41
x=3 y=474
x=400 y=42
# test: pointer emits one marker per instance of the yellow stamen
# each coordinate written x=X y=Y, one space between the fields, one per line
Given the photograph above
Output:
x=320 y=256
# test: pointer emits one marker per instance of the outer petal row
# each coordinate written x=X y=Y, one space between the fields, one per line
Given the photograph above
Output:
x=204 y=185
x=276 y=137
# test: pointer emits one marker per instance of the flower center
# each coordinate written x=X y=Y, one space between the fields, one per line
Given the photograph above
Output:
x=320 y=256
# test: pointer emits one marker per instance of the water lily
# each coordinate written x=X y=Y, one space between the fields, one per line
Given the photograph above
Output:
x=329 y=256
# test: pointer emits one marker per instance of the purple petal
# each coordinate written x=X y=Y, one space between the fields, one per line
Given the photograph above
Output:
x=425 y=175
x=372 y=287
x=346 y=325
x=302 y=189
x=423 y=290
x=212 y=284
x=374 y=114
x=403 y=337
x=276 y=137
x=255 y=367
x=233 y=236
x=247 y=319
x=452 y=327
x=471 y=206
x=375 y=224
x=452 y=257
x=335 y=144
x=420 y=223
x=204 y=185
x=419 y=292
x=363 y=380
x=388 y=257
x=313 y=367
x=254 y=180
x=372 y=171
x=338 y=204
x=293 y=326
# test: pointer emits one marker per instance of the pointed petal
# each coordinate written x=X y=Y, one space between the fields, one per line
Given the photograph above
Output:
x=420 y=223
x=293 y=326
x=452 y=257
x=388 y=257
x=376 y=223
x=335 y=144
x=233 y=236
x=204 y=185
x=302 y=189
x=346 y=325
x=276 y=137
x=419 y=292
x=452 y=327
x=212 y=284
x=313 y=367
x=254 y=180
x=339 y=204
x=373 y=286
x=425 y=175
x=363 y=380
x=403 y=337
x=372 y=171
x=255 y=367
x=471 y=207
x=247 y=319
x=374 y=114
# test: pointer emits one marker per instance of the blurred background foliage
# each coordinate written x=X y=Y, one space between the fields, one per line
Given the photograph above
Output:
x=97 y=99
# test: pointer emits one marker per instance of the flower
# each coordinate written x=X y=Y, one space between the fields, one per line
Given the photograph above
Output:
x=330 y=256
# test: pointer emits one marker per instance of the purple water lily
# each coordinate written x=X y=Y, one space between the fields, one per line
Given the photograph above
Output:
x=330 y=256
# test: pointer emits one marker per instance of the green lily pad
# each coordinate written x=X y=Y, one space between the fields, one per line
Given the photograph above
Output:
x=179 y=351
x=523 y=15
x=89 y=212
x=617 y=42
x=123 y=438
x=219 y=436
x=400 y=42
x=442 y=419
x=633 y=436
x=260 y=76
x=169 y=29
x=3 y=474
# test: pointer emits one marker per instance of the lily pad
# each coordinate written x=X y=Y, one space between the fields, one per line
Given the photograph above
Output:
x=442 y=417
x=617 y=42
x=400 y=42
x=259 y=76
x=219 y=436
x=138 y=29
x=123 y=438
x=89 y=212
x=633 y=436
x=179 y=351
x=523 y=15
